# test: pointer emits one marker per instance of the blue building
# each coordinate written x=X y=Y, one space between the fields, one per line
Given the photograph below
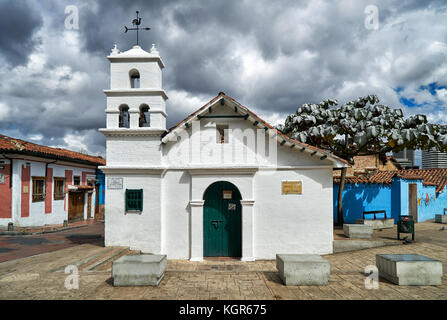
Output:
x=101 y=183
x=420 y=193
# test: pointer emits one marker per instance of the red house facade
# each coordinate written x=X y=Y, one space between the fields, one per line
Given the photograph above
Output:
x=40 y=185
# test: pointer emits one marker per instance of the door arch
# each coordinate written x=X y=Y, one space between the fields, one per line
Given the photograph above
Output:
x=222 y=221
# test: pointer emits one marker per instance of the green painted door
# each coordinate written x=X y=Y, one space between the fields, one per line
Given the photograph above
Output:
x=222 y=224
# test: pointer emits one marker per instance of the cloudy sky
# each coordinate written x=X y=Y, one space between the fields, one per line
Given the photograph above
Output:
x=271 y=56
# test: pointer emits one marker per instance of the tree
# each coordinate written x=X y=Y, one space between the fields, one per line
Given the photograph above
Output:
x=361 y=127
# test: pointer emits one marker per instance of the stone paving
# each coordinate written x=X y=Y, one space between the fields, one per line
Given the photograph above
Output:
x=42 y=276
x=46 y=228
x=15 y=247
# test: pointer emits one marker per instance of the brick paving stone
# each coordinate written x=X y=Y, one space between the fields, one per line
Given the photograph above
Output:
x=42 y=276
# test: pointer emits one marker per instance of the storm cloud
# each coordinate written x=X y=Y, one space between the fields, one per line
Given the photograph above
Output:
x=271 y=56
x=18 y=22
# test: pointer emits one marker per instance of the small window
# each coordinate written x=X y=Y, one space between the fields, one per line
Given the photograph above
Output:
x=59 y=188
x=220 y=133
x=38 y=189
x=144 y=116
x=77 y=180
x=134 y=79
x=134 y=199
x=124 y=120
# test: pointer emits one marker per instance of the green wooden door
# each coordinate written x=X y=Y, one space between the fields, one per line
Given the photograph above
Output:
x=222 y=224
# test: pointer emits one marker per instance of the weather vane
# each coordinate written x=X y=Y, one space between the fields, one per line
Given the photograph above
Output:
x=136 y=22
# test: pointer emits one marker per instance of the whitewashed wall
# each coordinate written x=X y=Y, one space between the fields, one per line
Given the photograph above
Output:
x=133 y=150
x=293 y=223
x=139 y=231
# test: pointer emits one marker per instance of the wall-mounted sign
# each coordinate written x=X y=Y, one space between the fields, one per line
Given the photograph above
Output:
x=227 y=194
x=25 y=189
x=292 y=187
x=231 y=206
x=2 y=178
x=114 y=183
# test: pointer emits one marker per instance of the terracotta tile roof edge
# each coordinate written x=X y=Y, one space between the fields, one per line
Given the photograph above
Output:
x=18 y=146
x=429 y=177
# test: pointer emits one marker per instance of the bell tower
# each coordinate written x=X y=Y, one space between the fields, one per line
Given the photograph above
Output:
x=136 y=107
x=136 y=99
x=136 y=121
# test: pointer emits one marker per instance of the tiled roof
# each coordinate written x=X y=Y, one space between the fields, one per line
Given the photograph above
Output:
x=248 y=111
x=429 y=177
x=12 y=145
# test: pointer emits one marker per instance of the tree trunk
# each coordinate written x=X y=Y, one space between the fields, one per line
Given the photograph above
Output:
x=340 y=197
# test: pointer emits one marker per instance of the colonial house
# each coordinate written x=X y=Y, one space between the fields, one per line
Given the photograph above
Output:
x=222 y=182
x=420 y=193
x=368 y=164
x=40 y=185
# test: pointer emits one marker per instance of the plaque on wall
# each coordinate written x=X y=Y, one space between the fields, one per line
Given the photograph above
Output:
x=114 y=183
x=227 y=194
x=292 y=187
x=231 y=206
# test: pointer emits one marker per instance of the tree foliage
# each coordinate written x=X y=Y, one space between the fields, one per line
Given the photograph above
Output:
x=361 y=127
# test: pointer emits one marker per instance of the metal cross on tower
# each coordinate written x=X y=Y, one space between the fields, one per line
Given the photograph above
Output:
x=136 y=22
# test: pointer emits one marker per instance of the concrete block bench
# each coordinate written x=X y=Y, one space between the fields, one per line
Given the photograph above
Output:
x=139 y=270
x=377 y=223
x=409 y=269
x=358 y=231
x=441 y=218
x=302 y=269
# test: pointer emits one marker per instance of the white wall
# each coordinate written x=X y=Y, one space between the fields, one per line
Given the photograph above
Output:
x=176 y=214
x=293 y=223
x=133 y=150
x=150 y=74
x=281 y=223
x=139 y=231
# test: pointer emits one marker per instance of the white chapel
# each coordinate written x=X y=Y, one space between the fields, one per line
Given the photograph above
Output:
x=220 y=183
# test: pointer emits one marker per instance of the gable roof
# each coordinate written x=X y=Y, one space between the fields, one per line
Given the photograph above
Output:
x=429 y=177
x=17 y=146
x=285 y=140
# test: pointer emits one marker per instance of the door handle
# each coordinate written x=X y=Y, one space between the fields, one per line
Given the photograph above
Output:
x=215 y=223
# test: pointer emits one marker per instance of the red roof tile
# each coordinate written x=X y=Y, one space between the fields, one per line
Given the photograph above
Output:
x=12 y=145
x=429 y=177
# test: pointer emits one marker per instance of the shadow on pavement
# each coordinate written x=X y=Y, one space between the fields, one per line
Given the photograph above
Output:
x=95 y=239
